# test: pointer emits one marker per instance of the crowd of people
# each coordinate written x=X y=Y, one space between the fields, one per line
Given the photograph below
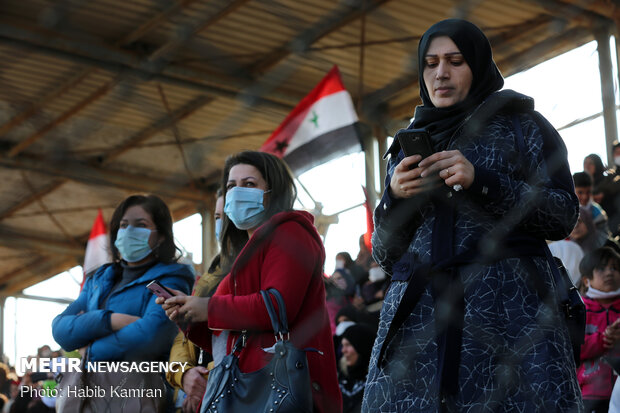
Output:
x=30 y=392
x=452 y=308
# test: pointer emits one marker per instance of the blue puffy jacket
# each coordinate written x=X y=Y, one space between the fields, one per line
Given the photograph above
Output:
x=148 y=338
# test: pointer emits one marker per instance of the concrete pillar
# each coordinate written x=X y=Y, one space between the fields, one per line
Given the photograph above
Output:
x=369 y=164
x=382 y=139
x=607 y=91
x=209 y=243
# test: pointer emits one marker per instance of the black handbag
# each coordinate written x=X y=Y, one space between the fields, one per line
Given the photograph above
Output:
x=571 y=304
x=283 y=385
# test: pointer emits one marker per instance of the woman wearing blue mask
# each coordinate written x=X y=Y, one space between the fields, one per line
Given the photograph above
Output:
x=272 y=246
x=115 y=316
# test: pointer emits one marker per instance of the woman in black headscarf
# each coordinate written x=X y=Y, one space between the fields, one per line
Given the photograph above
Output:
x=470 y=321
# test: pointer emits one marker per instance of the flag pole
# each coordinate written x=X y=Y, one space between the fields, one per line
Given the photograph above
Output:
x=305 y=189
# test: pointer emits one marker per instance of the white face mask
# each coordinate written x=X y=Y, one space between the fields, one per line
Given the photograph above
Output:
x=376 y=274
x=339 y=264
x=617 y=160
x=343 y=325
x=594 y=294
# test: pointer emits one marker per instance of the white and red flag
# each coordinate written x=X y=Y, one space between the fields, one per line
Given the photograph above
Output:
x=322 y=127
x=97 y=248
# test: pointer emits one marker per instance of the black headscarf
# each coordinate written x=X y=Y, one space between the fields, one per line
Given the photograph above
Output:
x=361 y=337
x=476 y=50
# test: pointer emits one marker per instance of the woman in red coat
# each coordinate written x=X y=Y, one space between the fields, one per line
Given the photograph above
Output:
x=272 y=246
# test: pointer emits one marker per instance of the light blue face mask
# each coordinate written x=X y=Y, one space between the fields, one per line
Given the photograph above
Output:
x=244 y=207
x=218 y=228
x=133 y=243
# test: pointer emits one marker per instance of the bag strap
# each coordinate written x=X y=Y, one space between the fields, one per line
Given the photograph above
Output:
x=279 y=320
x=281 y=310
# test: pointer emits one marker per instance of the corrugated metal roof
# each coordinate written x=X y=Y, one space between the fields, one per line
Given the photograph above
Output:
x=84 y=87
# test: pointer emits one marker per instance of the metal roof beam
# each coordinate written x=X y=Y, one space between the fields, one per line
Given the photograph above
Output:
x=81 y=105
x=40 y=269
x=115 y=60
x=603 y=8
x=146 y=133
x=153 y=22
x=175 y=43
x=14 y=239
x=65 y=301
x=308 y=37
x=30 y=199
x=526 y=59
x=90 y=175
x=160 y=125
x=82 y=74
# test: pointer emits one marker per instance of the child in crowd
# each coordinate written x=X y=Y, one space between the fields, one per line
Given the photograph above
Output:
x=583 y=188
x=601 y=275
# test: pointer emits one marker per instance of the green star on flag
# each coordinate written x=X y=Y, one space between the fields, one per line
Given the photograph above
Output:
x=304 y=142
x=315 y=119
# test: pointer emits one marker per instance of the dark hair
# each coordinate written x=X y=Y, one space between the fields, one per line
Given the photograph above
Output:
x=159 y=212
x=598 y=258
x=283 y=193
x=347 y=258
x=582 y=179
x=599 y=168
x=615 y=144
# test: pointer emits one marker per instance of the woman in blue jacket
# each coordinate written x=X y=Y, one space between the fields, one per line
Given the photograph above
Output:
x=115 y=316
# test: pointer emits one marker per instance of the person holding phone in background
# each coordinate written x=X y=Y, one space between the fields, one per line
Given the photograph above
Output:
x=478 y=328
x=115 y=317
x=193 y=380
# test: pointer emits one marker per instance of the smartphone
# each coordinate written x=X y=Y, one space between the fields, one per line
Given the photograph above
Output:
x=415 y=142
x=159 y=290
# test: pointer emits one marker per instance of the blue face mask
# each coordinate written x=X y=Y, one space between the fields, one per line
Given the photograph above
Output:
x=133 y=243
x=218 y=228
x=244 y=207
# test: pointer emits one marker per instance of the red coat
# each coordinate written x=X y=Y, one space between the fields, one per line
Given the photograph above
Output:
x=285 y=253
x=596 y=377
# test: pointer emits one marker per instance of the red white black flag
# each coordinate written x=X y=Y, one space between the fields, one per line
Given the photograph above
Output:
x=97 y=249
x=322 y=127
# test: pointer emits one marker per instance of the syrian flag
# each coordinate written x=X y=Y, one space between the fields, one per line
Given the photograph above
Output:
x=97 y=249
x=322 y=127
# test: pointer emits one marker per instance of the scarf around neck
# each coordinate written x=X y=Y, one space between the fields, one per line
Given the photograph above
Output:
x=595 y=294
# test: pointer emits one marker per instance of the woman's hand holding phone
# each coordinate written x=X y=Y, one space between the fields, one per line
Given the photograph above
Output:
x=407 y=180
x=406 y=183
x=453 y=167
x=184 y=308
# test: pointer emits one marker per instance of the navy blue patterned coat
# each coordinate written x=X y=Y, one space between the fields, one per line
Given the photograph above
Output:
x=516 y=353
